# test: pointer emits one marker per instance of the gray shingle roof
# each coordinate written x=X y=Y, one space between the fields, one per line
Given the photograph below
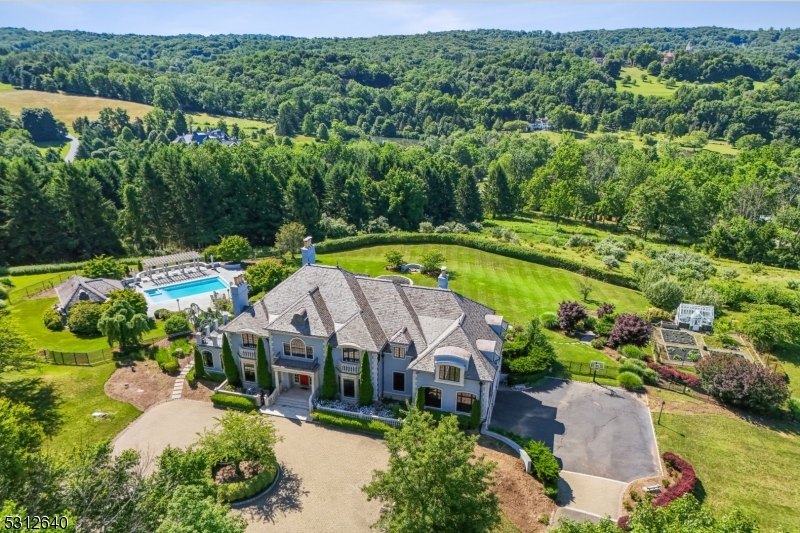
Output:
x=367 y=312
x=78 y=288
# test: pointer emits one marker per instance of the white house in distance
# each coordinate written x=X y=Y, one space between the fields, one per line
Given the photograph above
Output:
x=695 y=317
x=419 y=340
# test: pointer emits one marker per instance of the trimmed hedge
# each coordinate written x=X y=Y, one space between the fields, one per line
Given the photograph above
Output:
x=684 y=486
x=216 y=377
x=166 y=361
x=358 y=424
x=477 y=243
x=233 y=402
x=544 y=465
x=241 y=490
x=629 y=381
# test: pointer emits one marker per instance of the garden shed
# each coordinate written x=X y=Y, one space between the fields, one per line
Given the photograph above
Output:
x=695 y=317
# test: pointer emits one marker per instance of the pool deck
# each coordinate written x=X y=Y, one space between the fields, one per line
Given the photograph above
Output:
x=225 y=272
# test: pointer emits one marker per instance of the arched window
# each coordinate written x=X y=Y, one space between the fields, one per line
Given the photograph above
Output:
x=464 y=402
x=298 y=348
x=433 y=397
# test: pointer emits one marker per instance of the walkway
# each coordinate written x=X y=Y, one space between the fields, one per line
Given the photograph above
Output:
x=323 y=469
x=73 y=149
x=177 y=389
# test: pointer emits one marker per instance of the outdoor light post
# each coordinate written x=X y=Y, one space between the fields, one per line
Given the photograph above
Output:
x=661 y=411
x=179 y=303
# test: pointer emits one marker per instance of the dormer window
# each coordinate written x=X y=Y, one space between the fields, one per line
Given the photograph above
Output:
x=449 y=373
x=399 y=352
x=249 y=340
x=350 y=355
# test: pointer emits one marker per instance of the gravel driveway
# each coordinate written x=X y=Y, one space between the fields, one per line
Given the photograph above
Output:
x=594 y=430
x=323 y=469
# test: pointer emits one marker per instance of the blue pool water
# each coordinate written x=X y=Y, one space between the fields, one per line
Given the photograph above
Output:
x=186 y=289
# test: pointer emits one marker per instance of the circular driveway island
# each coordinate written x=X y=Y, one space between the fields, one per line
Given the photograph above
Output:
x=323 y=469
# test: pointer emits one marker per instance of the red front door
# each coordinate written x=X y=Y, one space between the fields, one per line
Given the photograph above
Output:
x=304 y=381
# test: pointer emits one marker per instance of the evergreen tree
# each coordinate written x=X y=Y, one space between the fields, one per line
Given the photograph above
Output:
x=288 y=120
x=334 y=189
x=308 y=125
x=179 y=122
x=322 y=133
x=475 y=414
x=329 y=387
x=365 y=388
x=468 y=198
x=263 y=374
x=199 y=367
x=303 y=205
x=228 y=363
x=356 y=206
x=419 y=399
x=497 y=194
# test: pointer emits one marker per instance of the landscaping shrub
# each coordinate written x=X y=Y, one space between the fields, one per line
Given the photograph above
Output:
x=654 y=314
x=664 y=293
x=605 y=309
x=370 y=426
x=629 y=329
x=233 y=248
x=736 y=381
x=538 y=360
x=633 y=352
x=104 y=267
x=83 y=318
x=216 y=377
x=570 y=314
x=266 y=274
x=549 y=320
x=228 y=364
x=241 y=490
x=475 y=414
x=191 y=376
x=199 y=369
x=604 y=326
x=166 y=361
x=611 y=262
x=544 y=465
x=589 y=323
x=233 y=402
x=52 y=320
x=672 y=374
x=432 y=261
x=578 y=241
x=684 y=486
x=639 y=368
x=329 y=385
x=794 y=407
x=162 y=314
x=176 y=324
x=394 y=258
x=629 y=381
x=598 y=343
x=611 y=247
x=365 y=388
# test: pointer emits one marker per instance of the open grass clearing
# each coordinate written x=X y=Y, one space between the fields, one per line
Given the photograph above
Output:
x=29 y=312
x=516 y=289
x=76 y=393
x=651 y=87
x=739 y=464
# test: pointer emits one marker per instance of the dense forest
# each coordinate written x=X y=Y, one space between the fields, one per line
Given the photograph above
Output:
x=433 y=84
x=453 y=94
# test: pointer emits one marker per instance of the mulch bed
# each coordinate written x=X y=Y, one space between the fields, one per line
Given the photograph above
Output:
x=140 y=383
x=678 y=337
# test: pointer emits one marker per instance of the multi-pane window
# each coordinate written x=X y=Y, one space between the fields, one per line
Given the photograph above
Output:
x=249 y=340
x=464 y=402
x=399 y=352
x=348 y=388
x=249 y=371
x=350 y=355
x=208 y=359
x=297 y=348
x=449 y=373
x=399 y=381
x=433 y=397
x=310 y=352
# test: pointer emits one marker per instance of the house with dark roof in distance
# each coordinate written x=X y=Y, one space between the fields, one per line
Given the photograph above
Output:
x=419 y=340
x=78 y=288
x=200 y=137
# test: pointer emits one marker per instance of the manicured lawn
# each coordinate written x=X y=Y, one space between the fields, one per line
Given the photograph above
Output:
x=651 y=87
x=740 y=464
x=516 y=289
x=29 y=314
x=77 y=393
x=789 y=356
x=6 y=87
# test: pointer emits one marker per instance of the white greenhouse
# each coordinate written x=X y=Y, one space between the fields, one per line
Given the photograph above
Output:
x=695 y=317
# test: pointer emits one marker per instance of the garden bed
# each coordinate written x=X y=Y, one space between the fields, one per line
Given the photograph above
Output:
x=678 y=337
x=369 y=410
x=685 y=355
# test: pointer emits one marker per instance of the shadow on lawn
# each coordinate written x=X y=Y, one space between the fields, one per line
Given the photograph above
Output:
x=40 y=396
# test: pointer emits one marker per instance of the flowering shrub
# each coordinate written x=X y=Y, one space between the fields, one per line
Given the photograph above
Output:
x=736 y=381
x=622 y=523
x=570 y=314
x=629 y=329
x=671 y=374
x=684 y=486
x=605 y=309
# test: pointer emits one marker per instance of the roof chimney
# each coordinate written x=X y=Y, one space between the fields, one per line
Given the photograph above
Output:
x=443 y=278
x=308 y=253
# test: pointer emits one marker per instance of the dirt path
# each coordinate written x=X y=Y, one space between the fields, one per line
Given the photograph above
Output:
x=521 y=496
x=73 y=149
x=140 y=383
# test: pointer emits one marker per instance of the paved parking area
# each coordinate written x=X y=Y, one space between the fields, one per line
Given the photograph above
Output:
x=593 y=430
x=323 y=469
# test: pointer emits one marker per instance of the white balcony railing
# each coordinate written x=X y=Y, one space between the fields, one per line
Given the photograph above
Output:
x=350 y=368
x=247 y=353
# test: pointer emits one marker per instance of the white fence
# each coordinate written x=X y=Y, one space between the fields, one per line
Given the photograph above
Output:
x=350 y=414
x=269 y=400
x=526 y=460
x=255 y=397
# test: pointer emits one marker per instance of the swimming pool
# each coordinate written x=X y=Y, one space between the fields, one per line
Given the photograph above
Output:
x=186 y=289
